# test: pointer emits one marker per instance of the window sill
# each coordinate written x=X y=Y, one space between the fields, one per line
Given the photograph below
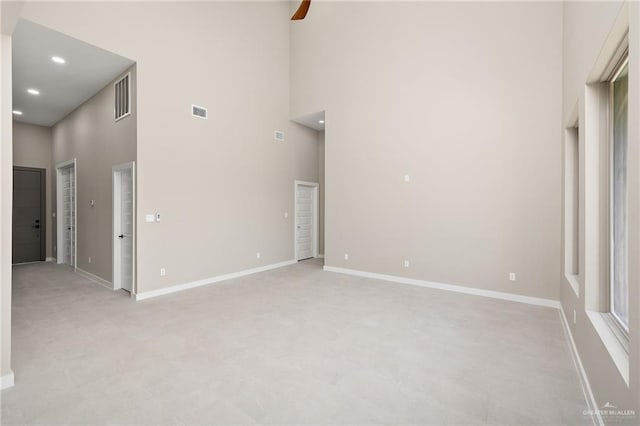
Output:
x=611 y=341
x=573 y=282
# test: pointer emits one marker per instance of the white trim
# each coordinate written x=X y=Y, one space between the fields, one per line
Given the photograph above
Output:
x=50 y=259
x=613 y=47
x=611 y=342
x=67 y=163
x=96 y=279
x=582 y=374
x=316 y=216
x=59 y=238
x=321 y=256
x=27 y=263
x=449 y=287
x=7 y=381
x=212 y=280
x=115 y=222
x=624 y=62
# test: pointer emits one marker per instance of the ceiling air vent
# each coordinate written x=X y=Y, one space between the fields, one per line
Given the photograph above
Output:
x=278 y=135
x=122 y=106
x=199 y=112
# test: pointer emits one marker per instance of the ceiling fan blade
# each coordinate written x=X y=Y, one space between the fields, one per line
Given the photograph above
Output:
x=302 y=10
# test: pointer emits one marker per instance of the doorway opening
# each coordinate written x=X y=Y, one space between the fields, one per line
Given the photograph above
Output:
x=29 y=224
x=66 y=207
x=124 y=228
x=317 y=122
x=306 y=219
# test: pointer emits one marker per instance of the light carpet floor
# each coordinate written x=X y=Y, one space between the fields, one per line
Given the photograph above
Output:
x=295 y=345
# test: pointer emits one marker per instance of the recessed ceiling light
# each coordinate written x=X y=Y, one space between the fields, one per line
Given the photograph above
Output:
x=33 y=91
x=16 y=112
x=321 y=121
x=58 y=60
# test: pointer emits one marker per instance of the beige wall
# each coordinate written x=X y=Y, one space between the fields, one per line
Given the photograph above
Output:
x=590 y=29
x=32 y=148
x=97 y=142
x=221 y=185
x=321 y=196
x=6 y=191
x=466 y=99
x=9 y=17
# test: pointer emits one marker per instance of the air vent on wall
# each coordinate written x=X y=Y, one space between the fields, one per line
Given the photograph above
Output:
x=122 y=106
x=198 y=111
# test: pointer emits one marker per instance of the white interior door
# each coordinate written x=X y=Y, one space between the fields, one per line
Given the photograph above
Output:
x=305 y=226
x=123 y=226
x=66 y=187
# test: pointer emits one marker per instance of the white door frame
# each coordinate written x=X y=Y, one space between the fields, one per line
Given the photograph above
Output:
x=115 y=224
x=59 y=208
x=316 y=215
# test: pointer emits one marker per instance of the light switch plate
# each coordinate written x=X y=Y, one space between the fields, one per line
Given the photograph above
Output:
x=149 y=218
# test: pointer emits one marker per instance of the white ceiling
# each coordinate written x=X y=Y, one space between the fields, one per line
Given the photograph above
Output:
x=64 y=87
x=312 y=120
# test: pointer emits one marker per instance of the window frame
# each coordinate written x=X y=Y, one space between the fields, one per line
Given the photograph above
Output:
x=620 y=330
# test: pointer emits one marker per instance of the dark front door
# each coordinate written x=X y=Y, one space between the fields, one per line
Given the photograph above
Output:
x=28 y=214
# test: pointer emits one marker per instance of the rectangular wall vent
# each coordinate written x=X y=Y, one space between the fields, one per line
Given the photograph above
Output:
x=278 y=135
x=198 y=111
x=122 y=106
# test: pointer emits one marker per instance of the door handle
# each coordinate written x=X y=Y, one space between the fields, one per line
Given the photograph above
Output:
x=36 y=227
x=121 y=236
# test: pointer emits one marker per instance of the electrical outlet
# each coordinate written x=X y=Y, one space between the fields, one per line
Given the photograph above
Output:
x=286 y=215
x=258 y=255
x=574 y=316
x=407 y=178
x=512 y=276
x=346 y=256
x=89 y=259
x=405 y=263
x=157 y=217
x=163 y=272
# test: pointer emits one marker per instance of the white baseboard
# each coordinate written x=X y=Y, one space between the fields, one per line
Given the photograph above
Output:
x=7 y=381
x=50 y=259
x=582 y=374
x=450 y=287
x=212 y=280
x=95 y=278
